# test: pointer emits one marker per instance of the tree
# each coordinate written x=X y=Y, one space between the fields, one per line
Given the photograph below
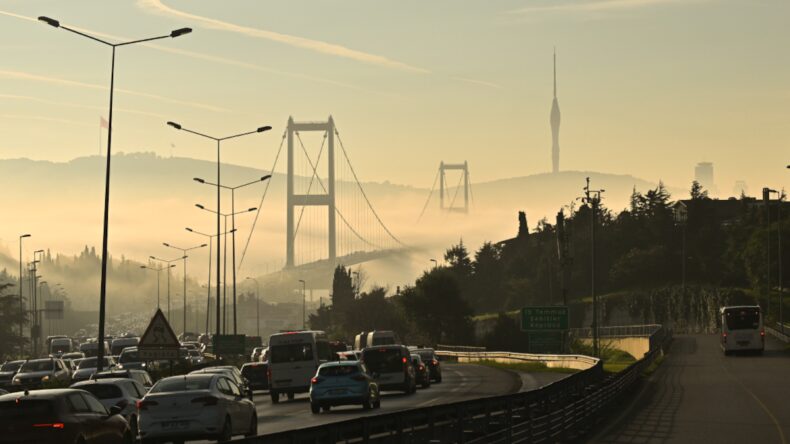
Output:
x=458 y=258
x=697 y=192
x=10 y=319
x=436 y=306
x=342 y=289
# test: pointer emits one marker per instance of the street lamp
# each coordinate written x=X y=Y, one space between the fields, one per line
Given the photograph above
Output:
x=219 y=206
x=680 y=216
x=36 y=312
x=304 y=308
x=208 y=297
x=233 y=228
x=593 y=198
x=157 y=270
x=104 y=253
x=767 y=201
x=168 y=262
x=257 y=303
x=225 y=262
x=21 y=301
x=184 y=251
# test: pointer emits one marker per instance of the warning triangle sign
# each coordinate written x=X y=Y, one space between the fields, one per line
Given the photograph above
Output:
x=159 y=333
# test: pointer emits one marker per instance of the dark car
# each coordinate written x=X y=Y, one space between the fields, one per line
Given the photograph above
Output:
x=431 y=361
x=257 y=375
x=60 y=416
x=87 y=367
x=421 y=372
x=141 y=376
x=391 y=366
x=34 y=373
x=7 y=372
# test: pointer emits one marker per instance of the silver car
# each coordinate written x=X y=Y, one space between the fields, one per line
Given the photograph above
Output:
x=121 y=392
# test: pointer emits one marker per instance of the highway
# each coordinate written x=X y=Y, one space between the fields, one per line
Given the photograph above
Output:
x=699 y=395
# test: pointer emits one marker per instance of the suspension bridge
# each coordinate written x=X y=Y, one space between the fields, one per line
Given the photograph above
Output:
x=330 y=219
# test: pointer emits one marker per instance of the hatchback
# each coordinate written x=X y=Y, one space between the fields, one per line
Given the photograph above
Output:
x=343 y=383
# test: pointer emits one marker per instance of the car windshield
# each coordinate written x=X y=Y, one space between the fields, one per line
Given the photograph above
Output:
x=338 y=370
x=182 y=384
x=26 y=409
x=102 y=391
x=10 y=366
x=129 y=356
x=291 y=353
x=253 y=371
x=384 y=360
x=91 y=363
x=38 y=366
x=742 y=318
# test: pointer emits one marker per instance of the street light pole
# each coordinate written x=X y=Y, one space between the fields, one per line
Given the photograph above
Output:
x=168 y=267
x=157 y=270
x=593 y=198
x=219 y=206
x=184 y=252
x=257 y=304
x=103 y=287
x=208 y=296
x=21 y=285
x=304 y=307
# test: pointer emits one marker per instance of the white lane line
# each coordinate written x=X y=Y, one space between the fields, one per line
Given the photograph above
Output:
x=439 y=396
x=759 y=402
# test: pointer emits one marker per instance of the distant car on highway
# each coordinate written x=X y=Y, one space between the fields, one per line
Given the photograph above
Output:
x=141 y=376
x=91 y=349
x=351 y=355
x=382 y=337
x=60 y=345
x=293 y=360
x=256 y=354
x=195 y=406
x=130 y=359
x=392 y=367
x=429 y=358
x=195 y=357
x=120 y=392
x=34 y=373
x=343 y=383
x=72 y=359
x=8 y=370
x=58 y=416
x=119 y=344
x=257 y=373
x=88 y=366
x=421 y=372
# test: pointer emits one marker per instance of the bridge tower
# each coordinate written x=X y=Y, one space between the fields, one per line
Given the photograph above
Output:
x=295 y=200
x=464 y=167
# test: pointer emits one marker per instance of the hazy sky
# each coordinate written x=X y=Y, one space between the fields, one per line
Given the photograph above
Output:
x=646 y=87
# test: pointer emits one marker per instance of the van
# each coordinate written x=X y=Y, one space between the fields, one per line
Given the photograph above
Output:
x=91 y=349
x=381 y=337
x=361 y=340
x=59 y=346
x=119 y=344
x=391 y=366
x=294 y=358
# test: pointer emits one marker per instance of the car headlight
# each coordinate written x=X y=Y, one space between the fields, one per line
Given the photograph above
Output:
x=45 y=378
x=16 y=381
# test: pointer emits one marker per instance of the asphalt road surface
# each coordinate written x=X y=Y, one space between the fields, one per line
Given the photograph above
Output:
x=698 y=395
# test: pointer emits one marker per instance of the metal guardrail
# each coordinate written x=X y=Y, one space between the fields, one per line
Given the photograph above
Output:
x=561 y=411
x=458 y=348
x=777 y=332
x=619 y=331
x=580 y=362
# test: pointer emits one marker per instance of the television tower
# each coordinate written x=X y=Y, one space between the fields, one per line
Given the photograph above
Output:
x=555 y=124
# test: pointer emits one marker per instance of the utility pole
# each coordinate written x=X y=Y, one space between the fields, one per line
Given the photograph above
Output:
x=593 y=199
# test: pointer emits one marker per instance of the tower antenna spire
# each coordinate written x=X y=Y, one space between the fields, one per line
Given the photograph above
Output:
x=555 y=72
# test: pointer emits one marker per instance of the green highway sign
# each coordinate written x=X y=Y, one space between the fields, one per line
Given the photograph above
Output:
x=549 y=318
x=230 y=344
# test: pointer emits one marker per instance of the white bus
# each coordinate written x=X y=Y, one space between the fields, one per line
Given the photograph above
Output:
x=742 y=329
x=294 y=358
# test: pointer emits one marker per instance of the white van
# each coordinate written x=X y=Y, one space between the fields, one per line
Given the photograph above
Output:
x=294 y=358
x=118 y=344
x=742 y=329
x=381 y=337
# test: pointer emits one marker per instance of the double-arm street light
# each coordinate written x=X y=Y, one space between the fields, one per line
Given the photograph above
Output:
x=21 y=285
x=219 y=206
x=233 y=228
x=257 y=304
x=225 y=264
x=184 y=252
x=104 y=254
x=157 y=270
x=168 y=267
x=208 y=286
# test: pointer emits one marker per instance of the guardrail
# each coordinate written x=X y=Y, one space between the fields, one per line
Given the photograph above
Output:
x=579 y=362
x=458 y=348
x=779 y=332
x=618 y=331
x=561 y=411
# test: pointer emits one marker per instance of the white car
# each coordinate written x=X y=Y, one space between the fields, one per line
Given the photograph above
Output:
x=196 y=406
x=122 y=392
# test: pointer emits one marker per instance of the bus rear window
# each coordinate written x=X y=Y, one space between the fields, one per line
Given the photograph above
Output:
x=742 y=319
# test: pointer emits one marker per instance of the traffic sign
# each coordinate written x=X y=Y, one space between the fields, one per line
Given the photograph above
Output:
x=158 y=341
x=551 y=318
x=229 y=344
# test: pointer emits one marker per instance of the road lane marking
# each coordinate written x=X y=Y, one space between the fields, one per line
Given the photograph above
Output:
x=759 y=402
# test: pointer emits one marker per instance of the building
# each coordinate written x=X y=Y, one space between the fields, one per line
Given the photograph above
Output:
x=555 y=125
x=703 y=174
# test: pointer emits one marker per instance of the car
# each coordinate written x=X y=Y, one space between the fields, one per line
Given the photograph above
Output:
x=429 y=358
x=230 y=371
x=55 y=416
x=87 y=367
x=130 y=359
x=351 y=355
x=60 y=345
x=421 y=372
x=392 y=367
x=196 y=406
x=343 y=383
x=257 y=373
x=195 y=358
x=293 y=358
x=8 y=370
x=141 y=376
x=118 y=344
x=120 y=392
x=3 y=392
x=256 y=354
x=91 y=349
x=35 y=372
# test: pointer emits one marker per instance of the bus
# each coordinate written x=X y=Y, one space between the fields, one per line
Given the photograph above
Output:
x=742 y=329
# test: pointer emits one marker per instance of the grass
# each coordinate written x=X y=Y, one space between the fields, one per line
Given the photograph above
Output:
x=526 y=367
x=614 y=360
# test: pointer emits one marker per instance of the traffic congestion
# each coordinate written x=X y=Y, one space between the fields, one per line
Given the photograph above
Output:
x=62 y=397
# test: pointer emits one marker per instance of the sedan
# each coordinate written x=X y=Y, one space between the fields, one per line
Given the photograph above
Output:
x=87 y=367
x=120 y=392
x=343 y=383
x=196 y=406
x=421 y=372
x=60 y=416
x=8 y=370
x=33 y=374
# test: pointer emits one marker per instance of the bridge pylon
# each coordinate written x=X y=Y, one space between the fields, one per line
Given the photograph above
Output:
x=464 y=168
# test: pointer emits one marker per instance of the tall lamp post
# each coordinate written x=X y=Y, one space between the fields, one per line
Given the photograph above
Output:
x=21 y=285
x=233 y=228
x=157 y=270
x=680 y=215
x=593 y=198
x=36 y=311
x=208 y=286
x=104 y=254
x=184 y=251
x=257 y=304
x=219 y=206
x=304 y=307
x=168 y=267
x=224 y=278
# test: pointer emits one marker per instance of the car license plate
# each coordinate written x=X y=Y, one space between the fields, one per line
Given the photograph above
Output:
x=169 y=425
